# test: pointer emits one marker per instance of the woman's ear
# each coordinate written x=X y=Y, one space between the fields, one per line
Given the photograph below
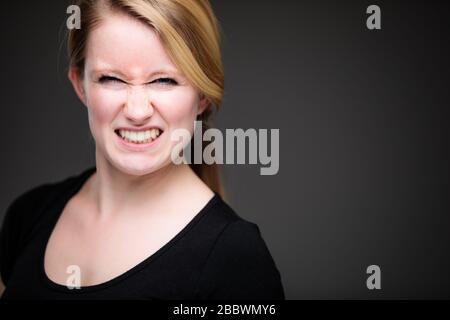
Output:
x=77 y=83
x=203 y=104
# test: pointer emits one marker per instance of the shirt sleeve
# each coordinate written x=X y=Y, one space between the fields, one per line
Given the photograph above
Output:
x=240 y=267
x=16 y=224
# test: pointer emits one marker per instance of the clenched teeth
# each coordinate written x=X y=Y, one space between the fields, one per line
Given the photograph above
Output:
x=140 y=136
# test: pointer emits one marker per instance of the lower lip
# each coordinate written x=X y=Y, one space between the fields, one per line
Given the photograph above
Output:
x=138 y=146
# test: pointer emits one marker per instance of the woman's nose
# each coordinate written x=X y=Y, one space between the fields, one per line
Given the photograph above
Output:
x=138 y=106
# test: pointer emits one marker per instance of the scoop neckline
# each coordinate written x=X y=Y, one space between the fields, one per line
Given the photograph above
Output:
x=58 y=208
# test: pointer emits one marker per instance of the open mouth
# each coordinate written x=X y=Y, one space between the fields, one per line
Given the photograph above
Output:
x=139 y=137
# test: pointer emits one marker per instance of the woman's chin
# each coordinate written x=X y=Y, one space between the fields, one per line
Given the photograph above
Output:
x=140 y=167
x=137 y=163
x=137 y=169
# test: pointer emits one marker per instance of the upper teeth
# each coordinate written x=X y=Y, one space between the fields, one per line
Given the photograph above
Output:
x=140 y=136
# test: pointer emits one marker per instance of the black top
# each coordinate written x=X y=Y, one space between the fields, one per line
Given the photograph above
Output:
x=217 y=255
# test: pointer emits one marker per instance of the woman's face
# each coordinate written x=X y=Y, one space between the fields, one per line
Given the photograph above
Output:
x=134 y=92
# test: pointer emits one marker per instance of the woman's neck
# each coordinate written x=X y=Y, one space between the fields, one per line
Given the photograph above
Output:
x=113 y=192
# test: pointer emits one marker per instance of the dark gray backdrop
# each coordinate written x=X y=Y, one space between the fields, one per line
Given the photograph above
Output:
x=363 y=119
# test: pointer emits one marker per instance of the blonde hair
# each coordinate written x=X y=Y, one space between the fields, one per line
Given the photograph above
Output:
x=190 y=35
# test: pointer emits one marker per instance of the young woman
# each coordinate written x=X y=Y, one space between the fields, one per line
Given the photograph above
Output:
x=137 y=225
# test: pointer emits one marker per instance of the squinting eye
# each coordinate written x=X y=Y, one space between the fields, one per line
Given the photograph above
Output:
x=166 y=81
x=105 y=79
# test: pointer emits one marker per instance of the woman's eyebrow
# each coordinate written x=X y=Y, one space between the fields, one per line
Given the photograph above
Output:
x=107 y=70
x=122 y=75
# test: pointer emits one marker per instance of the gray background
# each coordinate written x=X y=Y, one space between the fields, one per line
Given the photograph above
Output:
x=363 y=119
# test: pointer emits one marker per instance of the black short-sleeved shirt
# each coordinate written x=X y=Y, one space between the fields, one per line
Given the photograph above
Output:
x=217 y=255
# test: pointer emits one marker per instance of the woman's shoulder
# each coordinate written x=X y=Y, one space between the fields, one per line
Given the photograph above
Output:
x=239 y=264
x=239 y=237
x=23 y=215
x=26 y=209
x=39 y=195
x=236 y=232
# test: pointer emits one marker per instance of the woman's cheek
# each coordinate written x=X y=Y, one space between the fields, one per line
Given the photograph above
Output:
x=105 y=104
x=178 y=108
x=102 y=106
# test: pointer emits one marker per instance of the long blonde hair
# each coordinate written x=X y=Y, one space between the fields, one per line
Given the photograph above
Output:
x=190 y=35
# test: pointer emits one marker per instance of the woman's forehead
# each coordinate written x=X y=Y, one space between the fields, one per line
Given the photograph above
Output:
x=124 y=43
